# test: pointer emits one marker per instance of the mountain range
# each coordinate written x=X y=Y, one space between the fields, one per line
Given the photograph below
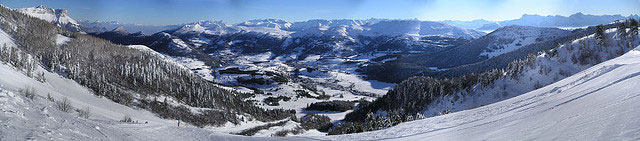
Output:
x=576 y=20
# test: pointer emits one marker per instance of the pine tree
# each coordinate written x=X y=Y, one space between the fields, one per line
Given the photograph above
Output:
x=600 y=30
x=633 y=24
x=622 y=29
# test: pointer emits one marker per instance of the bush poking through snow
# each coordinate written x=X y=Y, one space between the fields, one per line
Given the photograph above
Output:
x=50 y=98
x=84 y=113
x=126 y=119
x=40 y=77
x=28 y=92
x=64 y=105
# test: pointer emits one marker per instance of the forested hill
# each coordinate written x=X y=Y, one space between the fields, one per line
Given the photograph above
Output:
x=125 y=75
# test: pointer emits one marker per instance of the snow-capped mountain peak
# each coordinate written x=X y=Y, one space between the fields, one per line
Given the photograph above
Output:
x=270 y=23
x=207 y=27
x=59 y=17
x=120 y=29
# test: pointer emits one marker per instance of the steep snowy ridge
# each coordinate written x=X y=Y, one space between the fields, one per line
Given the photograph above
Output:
x=510 y=38
x=59 y=17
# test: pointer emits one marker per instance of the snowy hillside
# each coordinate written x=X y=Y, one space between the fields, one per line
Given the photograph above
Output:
x=510 y=38
x=39 y=118
x=59 y=17
x=599 y=103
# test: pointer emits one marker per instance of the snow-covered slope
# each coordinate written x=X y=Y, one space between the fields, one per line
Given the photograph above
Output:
x=599 y=103
x=546 y=68
x=59 y=17
x=39 y=119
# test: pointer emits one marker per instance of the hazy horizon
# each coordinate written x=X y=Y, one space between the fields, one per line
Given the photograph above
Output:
x=172 y=12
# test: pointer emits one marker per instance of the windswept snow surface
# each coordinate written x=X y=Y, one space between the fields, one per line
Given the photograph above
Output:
x=600 y=103
x=6 y=40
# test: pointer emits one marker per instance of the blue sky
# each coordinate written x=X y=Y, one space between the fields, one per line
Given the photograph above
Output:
x=163 y=12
